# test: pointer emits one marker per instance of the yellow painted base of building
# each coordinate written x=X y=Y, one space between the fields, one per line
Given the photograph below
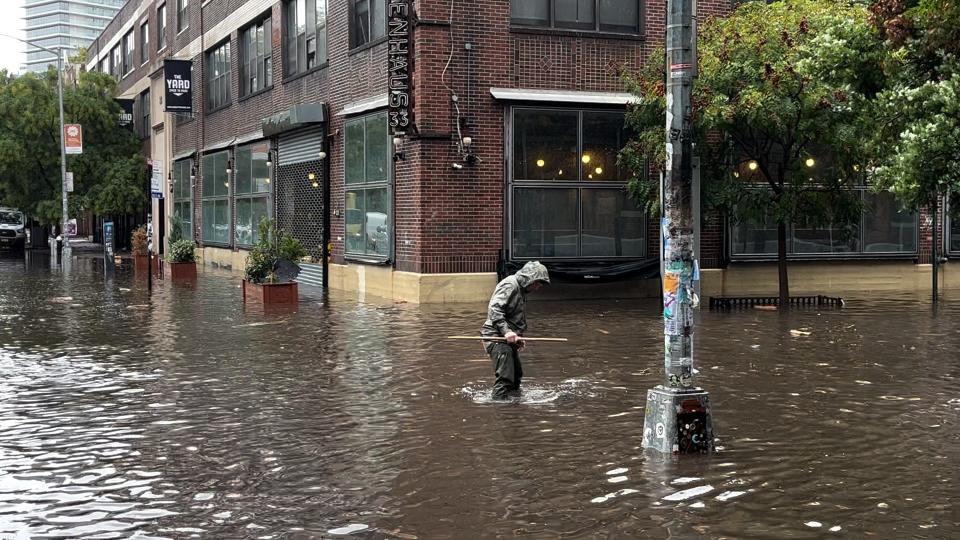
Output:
x=226 y=259
x=385 y=282
x=834 y=278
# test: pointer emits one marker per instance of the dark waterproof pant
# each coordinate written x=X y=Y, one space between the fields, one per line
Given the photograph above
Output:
x=506 y=366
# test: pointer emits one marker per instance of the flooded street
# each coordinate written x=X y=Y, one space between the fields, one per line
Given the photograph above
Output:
x=183 y=414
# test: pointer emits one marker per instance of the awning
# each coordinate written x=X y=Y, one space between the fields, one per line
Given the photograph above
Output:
x=364 y=105
x=563 y=96
x=296 y=117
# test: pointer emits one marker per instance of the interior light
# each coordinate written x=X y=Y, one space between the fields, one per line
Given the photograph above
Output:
x=736 y=174
x=590 y=176
x=810 y=162
x=585 y=158
x=316 y=184
x=311 y=176
x=598 y=170
x=752 y=165
x=560 y=172
x=541 y=163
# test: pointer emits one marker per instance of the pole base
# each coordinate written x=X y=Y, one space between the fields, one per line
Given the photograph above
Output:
x=678 y=421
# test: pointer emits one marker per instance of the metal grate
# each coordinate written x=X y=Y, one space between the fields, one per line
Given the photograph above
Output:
x=732 y=302
x=299 y=204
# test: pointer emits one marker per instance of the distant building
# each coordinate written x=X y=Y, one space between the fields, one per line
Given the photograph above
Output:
x=66 y=25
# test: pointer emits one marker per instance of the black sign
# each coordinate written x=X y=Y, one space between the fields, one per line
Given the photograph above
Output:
x=179 y=91
x=400 y=96
x=125 y=118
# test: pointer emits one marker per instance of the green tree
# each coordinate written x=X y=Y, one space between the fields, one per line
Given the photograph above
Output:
x=917 y=141
x=110 y=175
x=777 y=115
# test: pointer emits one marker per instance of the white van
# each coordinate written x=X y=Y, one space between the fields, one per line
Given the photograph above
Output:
x=12 y=225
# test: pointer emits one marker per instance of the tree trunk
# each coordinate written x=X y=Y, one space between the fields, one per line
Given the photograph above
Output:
x=782 y=266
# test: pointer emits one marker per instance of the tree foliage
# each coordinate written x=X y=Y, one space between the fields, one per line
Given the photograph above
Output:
x=917 y=141
x=778 y=84
x=110 y=175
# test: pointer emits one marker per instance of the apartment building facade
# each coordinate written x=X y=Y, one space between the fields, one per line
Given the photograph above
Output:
x=64 y=25
x=421 y=148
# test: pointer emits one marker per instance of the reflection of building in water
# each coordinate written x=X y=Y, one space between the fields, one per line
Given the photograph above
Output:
x=505 y=151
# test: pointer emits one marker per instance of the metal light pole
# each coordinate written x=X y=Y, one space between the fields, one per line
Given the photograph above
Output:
x=63 y=154
x=677 y=417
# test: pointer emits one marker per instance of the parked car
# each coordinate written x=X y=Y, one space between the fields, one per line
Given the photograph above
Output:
x=12 y=229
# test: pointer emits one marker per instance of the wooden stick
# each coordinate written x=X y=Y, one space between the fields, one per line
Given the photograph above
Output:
x=501 y=338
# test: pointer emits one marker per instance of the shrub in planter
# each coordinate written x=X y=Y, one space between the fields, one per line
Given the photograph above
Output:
x=138 y=244
x=182 y=260
x=272 y=266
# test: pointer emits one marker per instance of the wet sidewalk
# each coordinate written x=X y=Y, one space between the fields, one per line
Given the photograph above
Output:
x=186 y=414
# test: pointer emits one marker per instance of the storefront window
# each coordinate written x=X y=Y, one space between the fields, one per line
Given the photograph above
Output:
x=183 y=195
x=367 y=175
x=252 y=192
x=885 y=228
x=216 y=198
x=569 y=198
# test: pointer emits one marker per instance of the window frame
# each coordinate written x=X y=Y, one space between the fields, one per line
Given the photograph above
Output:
x=128 y=51
x=552 y=26
x=144 y=42
x=183 y=16
x=218 y=86
x=146 y=127
x=365 y=186
x=859 y=253
x=514 y=184
x=266 y=58
x=320 y=39
x=215 y=198
x=161 y=27
x=373 y=40
x=116 y=61
x=252 y=195
x=182 y=183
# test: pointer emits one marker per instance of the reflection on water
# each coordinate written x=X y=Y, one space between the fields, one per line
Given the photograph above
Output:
x=186 y=414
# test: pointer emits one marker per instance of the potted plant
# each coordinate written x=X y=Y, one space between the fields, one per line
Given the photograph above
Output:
x=138 y=244
x=182 y=257
x=271 y=269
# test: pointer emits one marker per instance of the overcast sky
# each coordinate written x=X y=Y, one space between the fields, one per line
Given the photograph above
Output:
x=11 y=23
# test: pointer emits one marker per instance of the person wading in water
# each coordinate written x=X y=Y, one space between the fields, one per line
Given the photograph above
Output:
x=506 y=317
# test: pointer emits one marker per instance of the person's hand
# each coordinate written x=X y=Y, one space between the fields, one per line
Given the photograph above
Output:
x=521 y=344
x=512 y=337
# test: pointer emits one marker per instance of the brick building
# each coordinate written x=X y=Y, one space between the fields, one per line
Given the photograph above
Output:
x=517 y=116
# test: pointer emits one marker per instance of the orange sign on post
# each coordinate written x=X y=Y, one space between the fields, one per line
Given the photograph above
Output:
x=72 y=139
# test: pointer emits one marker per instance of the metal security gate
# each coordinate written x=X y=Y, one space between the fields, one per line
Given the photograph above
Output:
x=300 y=188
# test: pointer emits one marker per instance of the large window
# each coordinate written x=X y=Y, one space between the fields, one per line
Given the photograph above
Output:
x=216 y=198
x=367 y=175
x=568 y=196
x=145 y=126
x=128 y=49
x=885 y=227
x=304 y=35
x=256 y=63
x=183 y=195
x=619 y=16
x=368 y=21
x=183 y=15
x=116 y=62
x=251 y=191
x=144 y=42
x=218 y=77
x=161 y=27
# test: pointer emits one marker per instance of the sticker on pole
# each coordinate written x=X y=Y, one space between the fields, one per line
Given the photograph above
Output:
x=679 y=70
x=72 y=139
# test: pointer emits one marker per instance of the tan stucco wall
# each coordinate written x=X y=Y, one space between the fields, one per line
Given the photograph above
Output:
x=384 y=282
x=226 y=259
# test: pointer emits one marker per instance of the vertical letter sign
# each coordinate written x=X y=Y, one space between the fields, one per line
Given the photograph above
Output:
x=400 y=98
x=179 y=92
x=72 y=139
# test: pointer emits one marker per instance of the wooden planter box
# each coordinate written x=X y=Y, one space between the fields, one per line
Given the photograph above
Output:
x=271 y=293
x=183 y=271
x=140 y=263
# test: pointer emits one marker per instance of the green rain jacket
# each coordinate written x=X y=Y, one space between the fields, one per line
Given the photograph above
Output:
x=507 y=309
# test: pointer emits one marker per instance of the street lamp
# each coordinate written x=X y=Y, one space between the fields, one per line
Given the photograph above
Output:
x=63 y=154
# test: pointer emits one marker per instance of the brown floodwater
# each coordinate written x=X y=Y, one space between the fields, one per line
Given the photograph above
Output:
x=184 y=414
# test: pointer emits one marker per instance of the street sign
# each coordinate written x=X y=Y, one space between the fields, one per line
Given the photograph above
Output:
x=71 y=227
x=69 y=182
x=156 y=179
x=108 y=262
x=72 y=139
